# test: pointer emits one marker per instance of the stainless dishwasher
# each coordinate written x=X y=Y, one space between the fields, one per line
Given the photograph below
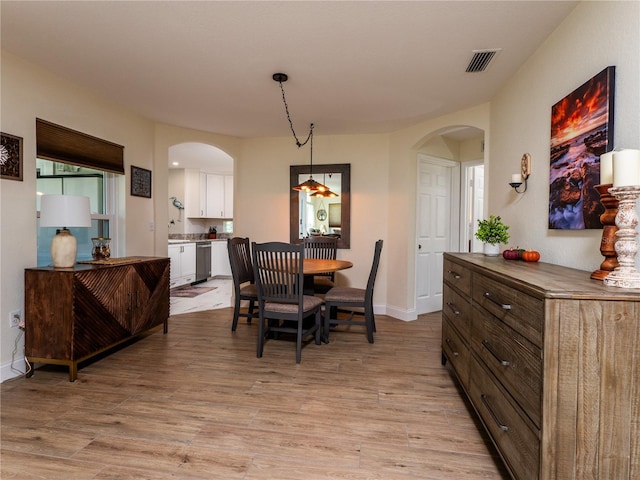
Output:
x=203 y=261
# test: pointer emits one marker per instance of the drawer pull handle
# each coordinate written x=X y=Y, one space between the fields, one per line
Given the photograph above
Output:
x=453 y=308
x=450 y=343
x=501 y=425
x=454 y=274
x=504 y=306
x=487 y=345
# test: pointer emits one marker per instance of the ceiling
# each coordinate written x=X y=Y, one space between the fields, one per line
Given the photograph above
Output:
x=354 y=67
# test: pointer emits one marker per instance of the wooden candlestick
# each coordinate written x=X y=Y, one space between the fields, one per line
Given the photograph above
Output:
x=625 y=275
x=609 y=229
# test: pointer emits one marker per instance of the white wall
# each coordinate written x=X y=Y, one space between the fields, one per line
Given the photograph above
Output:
x=594 y=36
x=401 y=233
x=262 y=195
x=167 y=136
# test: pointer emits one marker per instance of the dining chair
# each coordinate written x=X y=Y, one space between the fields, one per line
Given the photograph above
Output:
x=324 y=248
x=350 y=300
x=243 y=281
x=278 y=270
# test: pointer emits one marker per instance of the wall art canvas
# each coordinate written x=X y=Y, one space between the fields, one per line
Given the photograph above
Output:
x=140 y=182
x=581 y=131
x=10 y=157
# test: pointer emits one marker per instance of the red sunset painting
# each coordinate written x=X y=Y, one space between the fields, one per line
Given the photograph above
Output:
x=581 y=131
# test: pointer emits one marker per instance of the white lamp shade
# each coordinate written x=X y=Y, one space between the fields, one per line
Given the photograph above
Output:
x=65 y=211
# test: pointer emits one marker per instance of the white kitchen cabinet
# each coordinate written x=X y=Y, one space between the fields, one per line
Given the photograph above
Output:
x=183 y=264
x=195 y=190
x=228 y=196
x=215 y=196
x=220 y=265
x=208 y=195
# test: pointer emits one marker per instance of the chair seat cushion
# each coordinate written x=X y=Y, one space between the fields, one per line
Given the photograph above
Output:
x=345 y=294
x=250 y=290
x=309 y=303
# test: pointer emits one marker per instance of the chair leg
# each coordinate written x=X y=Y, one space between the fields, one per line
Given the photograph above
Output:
x=260 y=336
x=236 y=312
x=373 y=317
x=369 y=324
x=250 y=314
x=299 y=341
x=327 y=321
x=318 y=327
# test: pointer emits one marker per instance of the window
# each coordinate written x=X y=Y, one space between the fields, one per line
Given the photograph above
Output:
x=99 y=186
x=75 y=163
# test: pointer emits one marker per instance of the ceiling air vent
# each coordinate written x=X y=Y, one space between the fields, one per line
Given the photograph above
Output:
x=480 y=60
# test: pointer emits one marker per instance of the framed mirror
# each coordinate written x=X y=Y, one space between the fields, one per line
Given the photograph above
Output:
x=304 y=209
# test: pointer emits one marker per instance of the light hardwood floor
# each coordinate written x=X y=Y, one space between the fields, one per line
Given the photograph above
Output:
x=197 y=404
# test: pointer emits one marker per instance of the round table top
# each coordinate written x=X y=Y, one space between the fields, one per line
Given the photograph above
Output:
x=314 y=266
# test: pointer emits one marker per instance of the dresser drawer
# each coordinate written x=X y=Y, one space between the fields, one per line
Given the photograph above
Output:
x=456 y=351
x=518 y=444
x=458 y=311
x=457 y=276
x=520 y=311
x=515 y=362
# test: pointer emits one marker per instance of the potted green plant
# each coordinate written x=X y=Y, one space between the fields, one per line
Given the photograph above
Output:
x=492 y=232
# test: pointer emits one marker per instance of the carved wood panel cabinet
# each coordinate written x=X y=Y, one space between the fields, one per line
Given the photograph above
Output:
x=550 y=360
x=72 y=314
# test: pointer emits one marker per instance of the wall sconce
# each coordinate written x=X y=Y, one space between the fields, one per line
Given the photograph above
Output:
x=517 y=179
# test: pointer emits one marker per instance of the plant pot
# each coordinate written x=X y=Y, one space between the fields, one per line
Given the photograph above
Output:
x=491 y=250
x=212 y=235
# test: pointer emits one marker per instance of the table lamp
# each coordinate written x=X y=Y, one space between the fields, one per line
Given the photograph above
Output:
x=64 y=211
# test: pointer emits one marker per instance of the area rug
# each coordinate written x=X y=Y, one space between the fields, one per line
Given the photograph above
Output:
x=190 y=291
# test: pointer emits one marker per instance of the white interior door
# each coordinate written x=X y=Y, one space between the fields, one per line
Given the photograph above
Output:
x=437 y=213
x=472 y=205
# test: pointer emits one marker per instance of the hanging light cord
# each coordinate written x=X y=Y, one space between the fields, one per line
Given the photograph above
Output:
x=286 y=109
x=310 y=137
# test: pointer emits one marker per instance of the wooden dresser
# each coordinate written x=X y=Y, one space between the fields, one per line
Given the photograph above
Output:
x=550 y=360
x=72 y=314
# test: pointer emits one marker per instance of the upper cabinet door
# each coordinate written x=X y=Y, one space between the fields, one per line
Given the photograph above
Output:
x=215 y=196
x=228 y=196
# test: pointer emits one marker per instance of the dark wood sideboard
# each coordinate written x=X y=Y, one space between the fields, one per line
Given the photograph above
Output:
x=550 y=361
x=72 y=314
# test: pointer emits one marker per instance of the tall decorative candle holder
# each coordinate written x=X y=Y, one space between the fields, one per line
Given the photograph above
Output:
x=625 y=275
x=609 y=229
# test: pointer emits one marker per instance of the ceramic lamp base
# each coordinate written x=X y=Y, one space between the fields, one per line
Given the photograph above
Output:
x=64 y=248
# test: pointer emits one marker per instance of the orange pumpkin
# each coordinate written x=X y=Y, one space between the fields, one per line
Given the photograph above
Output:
x=530 y=256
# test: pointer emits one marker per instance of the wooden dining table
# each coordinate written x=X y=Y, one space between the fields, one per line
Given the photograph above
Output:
x=316 y=266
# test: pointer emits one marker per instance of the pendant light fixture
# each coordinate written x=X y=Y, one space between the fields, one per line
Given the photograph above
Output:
x=327 y=193
x=310 y=186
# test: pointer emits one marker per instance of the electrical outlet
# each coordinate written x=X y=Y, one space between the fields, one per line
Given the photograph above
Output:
x=15 y=318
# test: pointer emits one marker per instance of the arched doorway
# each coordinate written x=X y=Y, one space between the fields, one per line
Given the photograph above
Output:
x=197 y=158
x=196 y=169
x=443 y=210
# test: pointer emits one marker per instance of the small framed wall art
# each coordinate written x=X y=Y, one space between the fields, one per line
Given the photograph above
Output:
x=140 y=182
x=11 y=157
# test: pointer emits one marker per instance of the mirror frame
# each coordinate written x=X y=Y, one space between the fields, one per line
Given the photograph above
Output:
x=345 y=199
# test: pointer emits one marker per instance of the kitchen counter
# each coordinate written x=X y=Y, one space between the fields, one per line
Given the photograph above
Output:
x=194 y=240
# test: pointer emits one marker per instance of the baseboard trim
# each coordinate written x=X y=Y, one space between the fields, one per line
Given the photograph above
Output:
x=7 y=371
x=396 y=312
